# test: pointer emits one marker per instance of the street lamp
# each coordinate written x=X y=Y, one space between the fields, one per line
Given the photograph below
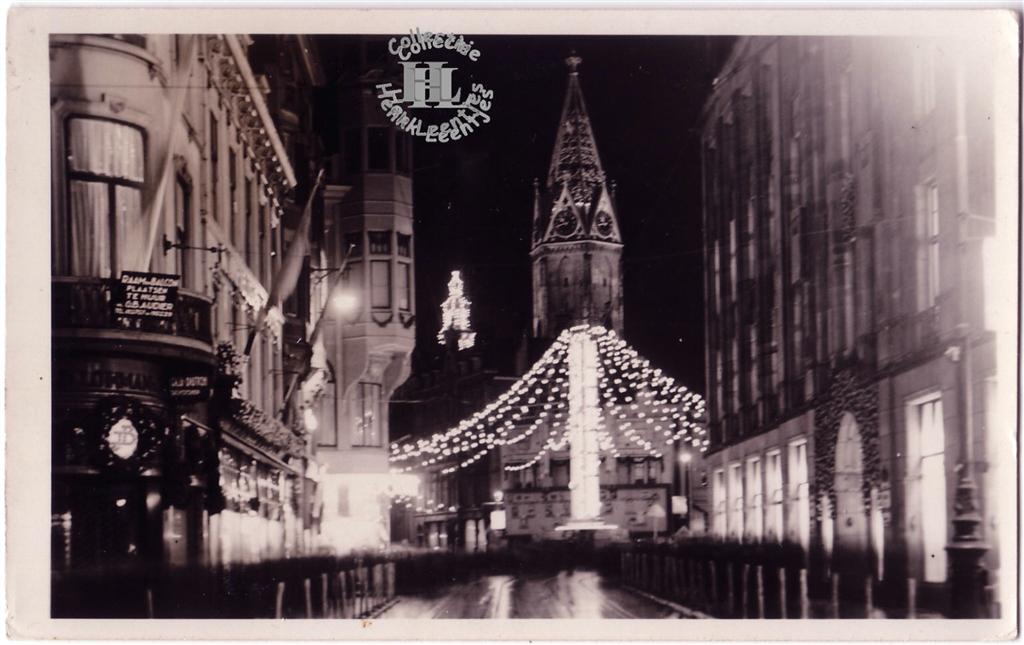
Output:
x=345 y=302
x=685 y=457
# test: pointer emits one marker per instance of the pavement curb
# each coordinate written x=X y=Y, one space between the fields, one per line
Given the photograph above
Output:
x=685 y=611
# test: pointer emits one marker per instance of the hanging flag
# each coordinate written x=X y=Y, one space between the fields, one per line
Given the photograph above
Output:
x=291 y=267
x=154 y=199
x=314 y=336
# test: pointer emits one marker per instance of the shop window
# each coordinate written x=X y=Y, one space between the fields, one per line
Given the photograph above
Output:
x=366 y=422
x=718 y=503
x=380 y=242
x=378 y=148
x=404 y=245
x=106 y=171
x=798 y=490
x=926 y=449
x=775 y=496
x=404 y=287
x=736 y=501
x=380 y=284
x=354 y=151
x=755 y=500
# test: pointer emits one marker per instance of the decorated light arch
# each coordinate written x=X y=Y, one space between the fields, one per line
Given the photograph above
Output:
x=587 y=376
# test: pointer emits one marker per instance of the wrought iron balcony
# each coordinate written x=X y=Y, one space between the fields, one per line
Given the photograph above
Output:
x=88 y=303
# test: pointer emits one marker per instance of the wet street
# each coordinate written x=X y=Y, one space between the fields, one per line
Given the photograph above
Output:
x=578 y=594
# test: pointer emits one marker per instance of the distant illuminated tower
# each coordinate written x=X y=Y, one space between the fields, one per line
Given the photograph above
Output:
x=577 y=248
x=455 y=315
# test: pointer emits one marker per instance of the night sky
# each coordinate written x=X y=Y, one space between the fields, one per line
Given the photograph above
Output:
x=473 y=198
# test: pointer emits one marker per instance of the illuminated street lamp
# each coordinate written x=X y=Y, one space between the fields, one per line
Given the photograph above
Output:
x=345 y=302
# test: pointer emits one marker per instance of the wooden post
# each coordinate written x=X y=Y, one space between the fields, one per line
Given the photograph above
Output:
x=309 y=597
x=713 y=584
x=279 y=602
x=323 y=597
x=392 y=592
x=345 y=593
x=744 y=587
x=730 y=582
x=835 y=595
x=911 y=598
x=149 y=603
x=760 y=591
x=782 y=592
x=868 y=597
x=804 y=605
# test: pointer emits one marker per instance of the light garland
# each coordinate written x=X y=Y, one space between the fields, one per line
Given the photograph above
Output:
x=642 y=402
x=455 y=314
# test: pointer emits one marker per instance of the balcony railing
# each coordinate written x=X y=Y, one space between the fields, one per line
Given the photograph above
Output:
x=87 y=303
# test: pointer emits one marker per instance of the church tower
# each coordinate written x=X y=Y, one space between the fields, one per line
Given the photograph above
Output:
x=577 y=248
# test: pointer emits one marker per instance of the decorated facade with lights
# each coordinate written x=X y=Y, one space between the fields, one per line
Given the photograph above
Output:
x=455 y=315
x=626 y=420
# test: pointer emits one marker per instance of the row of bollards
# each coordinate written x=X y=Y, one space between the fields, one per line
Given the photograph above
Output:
x=749 y=590
x=353 y=593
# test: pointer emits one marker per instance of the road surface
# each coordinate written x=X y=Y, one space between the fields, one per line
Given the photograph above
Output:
x=576 y=594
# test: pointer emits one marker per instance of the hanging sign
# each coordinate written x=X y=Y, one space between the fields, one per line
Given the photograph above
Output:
x=190 y=387
x=146 y=295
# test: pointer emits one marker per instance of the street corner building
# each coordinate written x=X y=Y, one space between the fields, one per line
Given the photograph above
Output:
x=849 y=191
x=230 y=311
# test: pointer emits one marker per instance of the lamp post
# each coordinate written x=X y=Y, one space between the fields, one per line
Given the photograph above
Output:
x=685 y=457
x=967 y=547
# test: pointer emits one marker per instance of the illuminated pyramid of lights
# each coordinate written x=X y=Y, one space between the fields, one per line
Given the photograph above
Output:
x=586 y=376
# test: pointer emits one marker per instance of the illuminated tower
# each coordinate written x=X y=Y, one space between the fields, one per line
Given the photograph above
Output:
x=577 y=248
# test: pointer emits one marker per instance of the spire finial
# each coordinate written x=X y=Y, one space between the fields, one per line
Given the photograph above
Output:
x=573 y=62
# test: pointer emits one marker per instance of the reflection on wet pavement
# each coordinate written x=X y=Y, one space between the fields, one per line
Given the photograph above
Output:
x=569 y=594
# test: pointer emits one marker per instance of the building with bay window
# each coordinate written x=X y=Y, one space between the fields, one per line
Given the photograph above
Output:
x=369 y=331
x=849 y=192
x=171 y=191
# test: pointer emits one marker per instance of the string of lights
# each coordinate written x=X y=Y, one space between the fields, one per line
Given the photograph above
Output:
x=641 y=402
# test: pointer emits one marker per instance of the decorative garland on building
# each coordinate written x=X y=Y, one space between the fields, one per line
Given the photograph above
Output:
x=847 y=393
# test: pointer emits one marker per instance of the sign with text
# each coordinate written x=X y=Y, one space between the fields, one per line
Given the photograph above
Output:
x=190 y=387
x=146 y=295
x=538 y=512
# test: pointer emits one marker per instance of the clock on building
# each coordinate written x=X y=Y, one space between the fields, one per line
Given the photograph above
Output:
x=565 y=223
x=604 y=224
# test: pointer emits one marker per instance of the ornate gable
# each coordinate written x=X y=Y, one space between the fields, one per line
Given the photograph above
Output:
x=575 y=203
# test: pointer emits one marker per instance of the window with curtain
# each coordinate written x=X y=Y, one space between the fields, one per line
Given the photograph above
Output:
x=927 y=229
x=182 y=217
x=106 y=173
x=404 y=290
x=404 y=245
x=380 y=242
x=366 y=430
x=775 y=495
x=380 y=284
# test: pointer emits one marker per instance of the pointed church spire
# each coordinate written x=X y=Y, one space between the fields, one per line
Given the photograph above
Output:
x=575 y=162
